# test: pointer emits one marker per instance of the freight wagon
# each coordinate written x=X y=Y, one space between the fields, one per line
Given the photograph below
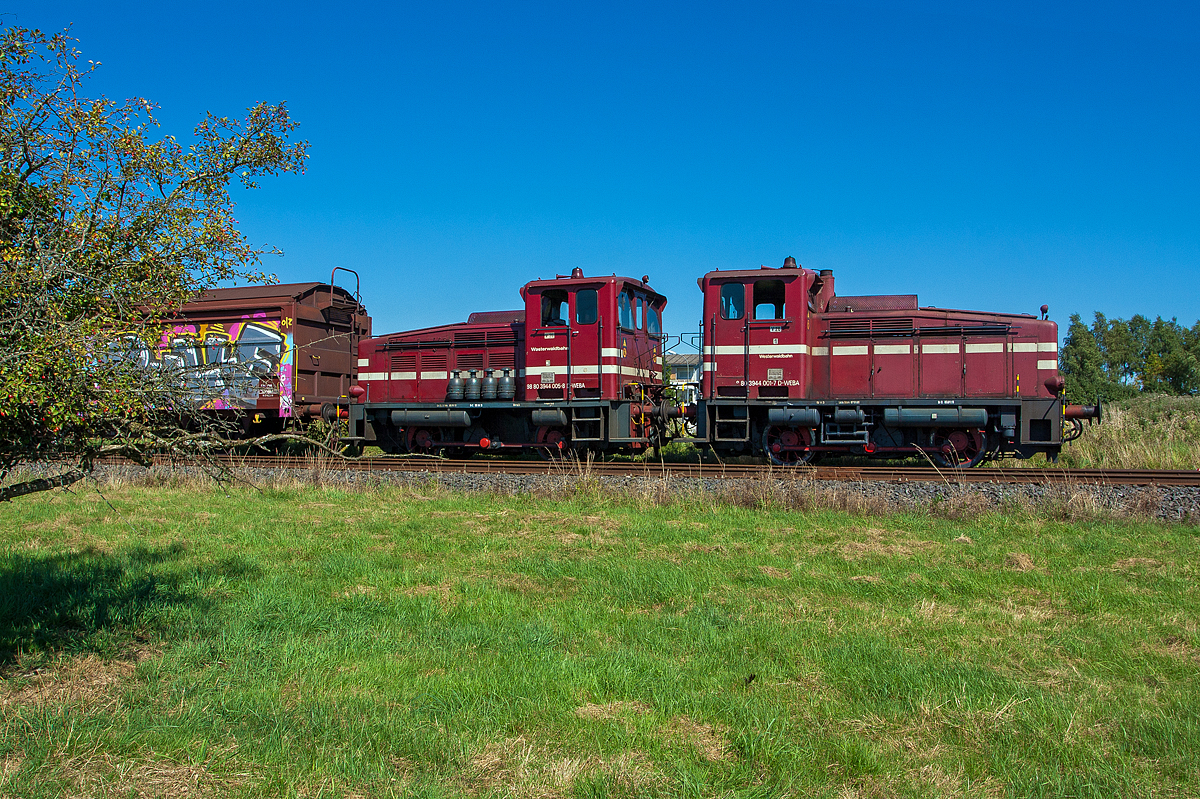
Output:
x=267 y=356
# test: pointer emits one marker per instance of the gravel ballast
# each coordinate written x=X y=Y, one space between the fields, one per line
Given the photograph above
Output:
x=1166 y=503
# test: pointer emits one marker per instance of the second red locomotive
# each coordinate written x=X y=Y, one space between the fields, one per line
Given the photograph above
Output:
x=793 y=371
x=580 y=365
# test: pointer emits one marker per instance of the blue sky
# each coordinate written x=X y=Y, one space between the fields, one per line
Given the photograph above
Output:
x=982 y=155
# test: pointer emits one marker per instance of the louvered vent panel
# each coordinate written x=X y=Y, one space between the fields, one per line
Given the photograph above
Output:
x=404 y=363
x=501 y=360
x=470 y=360
x=469 y=338
x=501 y=338
x=864 y=328
x=433 y=361
x=850 y=327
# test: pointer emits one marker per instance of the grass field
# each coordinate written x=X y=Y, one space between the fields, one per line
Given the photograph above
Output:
x=181 y=641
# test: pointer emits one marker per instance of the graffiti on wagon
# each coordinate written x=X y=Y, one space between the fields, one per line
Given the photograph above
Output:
x=226 y=364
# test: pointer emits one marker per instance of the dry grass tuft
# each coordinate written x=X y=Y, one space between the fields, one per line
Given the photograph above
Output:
x=936 y=781
x=931 y=611
x=1174 y=646
x=1127 y=564
x=873 y=542
x=517 y=768
x=612 y=710
x=708 y=740
x=1018 y=561
x=10 y=764
x=88 y=682
x=443 y=591
x=106 y=775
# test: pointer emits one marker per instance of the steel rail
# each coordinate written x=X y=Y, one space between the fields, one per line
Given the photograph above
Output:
x=652 y=469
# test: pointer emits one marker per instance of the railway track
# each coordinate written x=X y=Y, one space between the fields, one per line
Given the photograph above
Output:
x=894 y=474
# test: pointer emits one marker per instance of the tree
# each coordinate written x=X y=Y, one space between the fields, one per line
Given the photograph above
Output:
x=1122 y=359
x=1083 y=365
x=1170 y=367
x=106 y=226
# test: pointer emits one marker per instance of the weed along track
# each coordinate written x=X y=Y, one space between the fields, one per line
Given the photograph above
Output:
x=650 y=469
x=1172 y=496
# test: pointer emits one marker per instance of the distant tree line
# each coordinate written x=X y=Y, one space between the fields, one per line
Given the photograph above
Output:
x=1115 y=358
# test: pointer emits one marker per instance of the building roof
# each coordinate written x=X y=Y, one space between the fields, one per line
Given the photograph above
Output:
x=682 y=358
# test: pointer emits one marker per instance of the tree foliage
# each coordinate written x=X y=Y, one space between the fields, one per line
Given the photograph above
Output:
x=105 y=226
x=1116 y=358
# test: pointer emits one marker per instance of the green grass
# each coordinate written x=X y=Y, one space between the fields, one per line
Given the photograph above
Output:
x=311 y=642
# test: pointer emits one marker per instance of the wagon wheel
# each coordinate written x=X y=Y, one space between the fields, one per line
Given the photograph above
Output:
x=551 y=443
x=788 y=446
x=960 y=449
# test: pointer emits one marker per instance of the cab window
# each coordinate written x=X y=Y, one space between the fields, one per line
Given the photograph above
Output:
x=639 y=325
x=653 y=324
x=625 y=310
x=554 y=307
x=768 y=299
x=733 y=301
x=587 y=309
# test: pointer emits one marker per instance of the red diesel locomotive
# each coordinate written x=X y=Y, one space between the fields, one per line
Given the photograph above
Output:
x=789 y=370
x=580 y=365
x=792 y=370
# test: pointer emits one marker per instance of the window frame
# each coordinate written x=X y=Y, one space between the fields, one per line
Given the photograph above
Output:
x=781 y=313
x=653 y=311
x=726 y=301
x=595 y=307
x=546 y=296
x=625 y=309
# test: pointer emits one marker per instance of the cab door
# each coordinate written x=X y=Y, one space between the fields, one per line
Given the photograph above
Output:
x=728 y=344
x=548 y=348
x=774 y=340
x=586 y=355
x=644 y=364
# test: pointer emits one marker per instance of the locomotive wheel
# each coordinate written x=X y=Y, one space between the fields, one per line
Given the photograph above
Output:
x=424 y=440
x=552 y=443
x=959 y=449
x=778 y=444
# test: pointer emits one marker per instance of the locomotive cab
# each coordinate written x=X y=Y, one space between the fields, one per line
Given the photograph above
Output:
x=591 y=338
x=756 y=333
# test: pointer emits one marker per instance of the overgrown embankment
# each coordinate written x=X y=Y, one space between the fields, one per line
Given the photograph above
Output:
x=1147 y=432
